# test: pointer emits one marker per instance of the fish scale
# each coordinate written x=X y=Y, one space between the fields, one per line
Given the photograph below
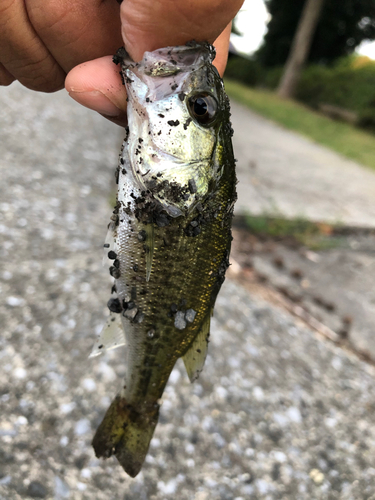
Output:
x=171 y=234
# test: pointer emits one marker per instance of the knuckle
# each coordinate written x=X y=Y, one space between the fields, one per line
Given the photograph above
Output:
x=43 y=75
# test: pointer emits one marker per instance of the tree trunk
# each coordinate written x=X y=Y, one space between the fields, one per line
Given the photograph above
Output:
x=300 y=48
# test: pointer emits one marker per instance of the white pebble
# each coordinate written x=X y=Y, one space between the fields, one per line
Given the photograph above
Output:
x=66 y=408
x=81 y=486
x=20 y=373
x=86 y=473
x=21 y=420
x=15 y=301
x=258 y=393
x=108 y=373
x=155 y=443
x=167 y=488
x=294 y=414
x=279 y=456
x=330 y=422
x=174 y=376
x=82 y=427
x=64 y=441
x=221 y=392
x=89 y=384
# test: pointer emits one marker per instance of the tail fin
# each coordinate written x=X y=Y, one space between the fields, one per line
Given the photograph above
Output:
x=126 y=432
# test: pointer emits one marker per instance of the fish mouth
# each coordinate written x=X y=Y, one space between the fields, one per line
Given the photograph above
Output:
x=170 y=61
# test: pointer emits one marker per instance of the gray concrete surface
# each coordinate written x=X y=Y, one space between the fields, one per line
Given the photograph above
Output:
x=334 y=283
x=277 y=412
x=287 y=175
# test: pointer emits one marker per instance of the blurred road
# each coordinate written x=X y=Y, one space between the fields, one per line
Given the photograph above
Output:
x=283 y=174
x=278 y=413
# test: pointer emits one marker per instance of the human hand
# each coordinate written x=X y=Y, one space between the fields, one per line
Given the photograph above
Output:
x=42 y=40
x=148 y=25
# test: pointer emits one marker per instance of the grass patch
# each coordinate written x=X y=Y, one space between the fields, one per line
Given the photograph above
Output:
x=314 y=235
x=341 y=137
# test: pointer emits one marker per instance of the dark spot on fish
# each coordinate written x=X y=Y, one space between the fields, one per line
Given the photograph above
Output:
x=106 y=245
x=161 y=115
x=113 y=289
x=187 y=123
x=139 y=317
x=199 y=351
x=174 y=86
x=161 y=220
x=112 y=255
x=173 y=123
x=135 y=268
x=142 y=235
x=147 y=99
x=114 y=305
x=100 y=346
x=123 y=171
x=113 y=271
x=116 y=263
x=192 y=186
x=181 y=96
x=174 y=308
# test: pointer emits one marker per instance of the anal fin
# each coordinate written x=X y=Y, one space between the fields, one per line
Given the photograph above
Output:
x=111 y=336
x=195 y=357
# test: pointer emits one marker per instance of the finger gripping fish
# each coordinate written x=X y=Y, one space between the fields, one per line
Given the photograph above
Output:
x=170 y=233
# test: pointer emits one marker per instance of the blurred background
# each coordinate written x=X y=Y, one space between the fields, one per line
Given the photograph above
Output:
x=329 y=47
x=284 y=408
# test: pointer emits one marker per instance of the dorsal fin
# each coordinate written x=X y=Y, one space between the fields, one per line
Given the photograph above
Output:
x=195 y=357
x=111 y=336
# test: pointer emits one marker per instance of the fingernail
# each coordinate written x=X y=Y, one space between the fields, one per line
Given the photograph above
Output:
x=96 y=100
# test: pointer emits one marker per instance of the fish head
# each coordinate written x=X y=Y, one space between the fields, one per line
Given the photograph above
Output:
x=176 y=110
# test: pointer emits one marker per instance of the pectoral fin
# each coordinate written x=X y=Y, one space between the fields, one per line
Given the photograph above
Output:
x=195 y=357
x=111 y=337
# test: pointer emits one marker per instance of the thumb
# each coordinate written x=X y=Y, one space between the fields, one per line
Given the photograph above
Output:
x=97 y=85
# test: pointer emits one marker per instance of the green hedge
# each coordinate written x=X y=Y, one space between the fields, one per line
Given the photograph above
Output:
x=350 y=84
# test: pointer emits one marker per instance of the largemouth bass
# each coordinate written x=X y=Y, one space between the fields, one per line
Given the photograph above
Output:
x=170 y=233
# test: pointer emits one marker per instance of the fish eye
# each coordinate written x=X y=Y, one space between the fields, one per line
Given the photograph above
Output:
x=203 y=108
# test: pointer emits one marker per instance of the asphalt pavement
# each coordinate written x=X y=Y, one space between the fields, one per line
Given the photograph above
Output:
x=278 y=412
x=287 y=175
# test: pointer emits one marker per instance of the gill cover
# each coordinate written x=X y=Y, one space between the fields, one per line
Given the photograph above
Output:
x=174 y=110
